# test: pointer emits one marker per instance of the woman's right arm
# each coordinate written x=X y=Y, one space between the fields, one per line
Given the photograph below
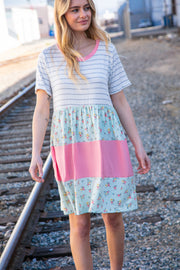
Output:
x=39 y=126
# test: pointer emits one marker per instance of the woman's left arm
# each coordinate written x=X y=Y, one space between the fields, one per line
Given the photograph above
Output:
x=126 y=117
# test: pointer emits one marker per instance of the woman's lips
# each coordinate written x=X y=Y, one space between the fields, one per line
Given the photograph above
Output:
x=83 y=22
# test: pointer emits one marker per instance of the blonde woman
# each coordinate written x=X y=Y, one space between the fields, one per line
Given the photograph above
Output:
x=90 y=156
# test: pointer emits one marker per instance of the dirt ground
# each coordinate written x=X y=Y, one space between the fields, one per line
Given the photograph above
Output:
x=18 y=66
x=155 y=64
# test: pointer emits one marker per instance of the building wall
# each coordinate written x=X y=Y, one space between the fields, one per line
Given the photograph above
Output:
x=3 y=28
x=160 y=9
x=154 y=10
x=43 y=20
x=137 y=6
x=139 y=10
x=46 y=19
x=44 y=12
x=7 y=42
x=157 y=12
x=22 y=24
x=26 y=24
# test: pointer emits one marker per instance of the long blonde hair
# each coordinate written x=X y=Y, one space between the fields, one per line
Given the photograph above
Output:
x=64 y=35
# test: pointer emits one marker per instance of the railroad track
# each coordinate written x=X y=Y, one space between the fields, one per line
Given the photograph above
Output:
x=28 y=209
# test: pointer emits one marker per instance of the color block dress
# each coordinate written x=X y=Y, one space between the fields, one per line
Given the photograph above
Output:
x=88 y=145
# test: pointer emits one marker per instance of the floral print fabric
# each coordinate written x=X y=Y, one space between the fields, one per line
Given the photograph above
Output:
x=98 y=195
x=72 y=125
x=85 y=123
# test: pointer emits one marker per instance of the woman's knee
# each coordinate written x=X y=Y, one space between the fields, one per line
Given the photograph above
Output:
x=80 y=225
x=113 y=220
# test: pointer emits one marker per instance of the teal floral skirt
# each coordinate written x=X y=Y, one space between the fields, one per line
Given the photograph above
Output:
x=91 y=161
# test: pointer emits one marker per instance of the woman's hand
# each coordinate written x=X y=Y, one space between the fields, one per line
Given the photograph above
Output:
x=36 y=169
x=143 y=159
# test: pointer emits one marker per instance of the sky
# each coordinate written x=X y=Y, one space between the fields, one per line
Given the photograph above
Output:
x=24 y=2
x=111 y=5
x=102 y=5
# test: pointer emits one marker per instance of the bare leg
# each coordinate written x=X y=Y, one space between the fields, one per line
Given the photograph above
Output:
x=79 y=240
x=115 y=239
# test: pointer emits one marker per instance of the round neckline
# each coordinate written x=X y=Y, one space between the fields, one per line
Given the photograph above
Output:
x=91 y=53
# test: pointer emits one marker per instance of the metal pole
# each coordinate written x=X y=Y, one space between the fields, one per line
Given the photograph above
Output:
x=21 y=223
x=178 y=13
x=127 y=22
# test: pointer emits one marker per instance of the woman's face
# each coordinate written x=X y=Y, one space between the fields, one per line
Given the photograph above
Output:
x=79 y=15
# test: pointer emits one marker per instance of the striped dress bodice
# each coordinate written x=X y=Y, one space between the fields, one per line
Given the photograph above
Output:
x=103 y=70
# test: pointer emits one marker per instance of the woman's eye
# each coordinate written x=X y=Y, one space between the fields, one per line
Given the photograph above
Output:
x=74 y=10
x=87 y=8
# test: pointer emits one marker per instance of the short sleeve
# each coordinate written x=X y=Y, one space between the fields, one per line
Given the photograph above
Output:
x=42 y=77
x=118 y=79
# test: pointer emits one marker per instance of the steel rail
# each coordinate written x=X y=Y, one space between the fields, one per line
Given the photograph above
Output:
x=13 y=100
x=21 y=223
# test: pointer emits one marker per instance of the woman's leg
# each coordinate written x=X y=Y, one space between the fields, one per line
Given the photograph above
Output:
x=115 y=238
x=79 y=241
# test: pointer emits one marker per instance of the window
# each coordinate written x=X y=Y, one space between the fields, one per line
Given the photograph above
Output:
x=40 y=21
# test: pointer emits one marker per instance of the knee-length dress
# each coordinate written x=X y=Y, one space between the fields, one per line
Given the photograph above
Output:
x=88 y=144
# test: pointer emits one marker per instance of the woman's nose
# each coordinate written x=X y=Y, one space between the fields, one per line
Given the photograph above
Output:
x=82 y=13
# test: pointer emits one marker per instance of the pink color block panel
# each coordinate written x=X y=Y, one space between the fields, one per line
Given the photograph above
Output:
x=92 y=159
